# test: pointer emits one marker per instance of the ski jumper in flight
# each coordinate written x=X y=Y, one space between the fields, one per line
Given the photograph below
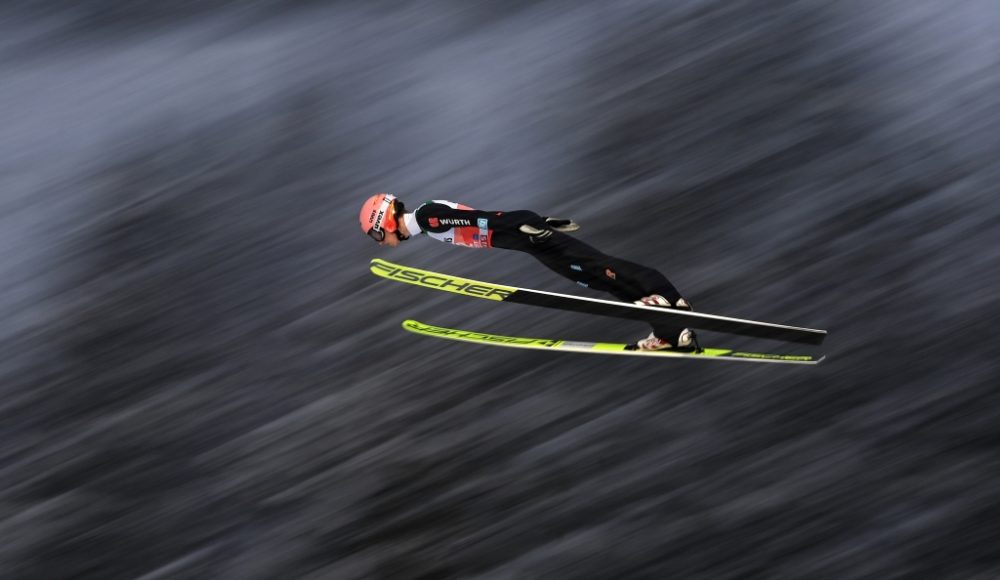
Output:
x=385 y=219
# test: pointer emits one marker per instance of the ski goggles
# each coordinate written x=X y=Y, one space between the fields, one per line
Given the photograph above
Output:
x=386 y=217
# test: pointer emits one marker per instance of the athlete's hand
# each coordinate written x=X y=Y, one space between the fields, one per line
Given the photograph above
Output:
x=562 y=225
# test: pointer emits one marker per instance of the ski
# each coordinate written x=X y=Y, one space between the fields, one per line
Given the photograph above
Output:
x=484 y=338
x=512 y=294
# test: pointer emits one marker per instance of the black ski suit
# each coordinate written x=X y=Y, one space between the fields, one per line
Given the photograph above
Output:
x=567 y=256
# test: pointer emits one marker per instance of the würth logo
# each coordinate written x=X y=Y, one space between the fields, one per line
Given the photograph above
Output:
x=433 y=222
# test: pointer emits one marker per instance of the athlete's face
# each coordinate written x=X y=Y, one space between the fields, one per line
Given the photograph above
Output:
x=391 y=240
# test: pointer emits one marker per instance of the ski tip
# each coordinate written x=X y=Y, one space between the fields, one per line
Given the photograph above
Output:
x=380 y=267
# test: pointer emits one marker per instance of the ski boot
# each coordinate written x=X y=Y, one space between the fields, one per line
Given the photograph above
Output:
x=660 y=302
x=687 y=341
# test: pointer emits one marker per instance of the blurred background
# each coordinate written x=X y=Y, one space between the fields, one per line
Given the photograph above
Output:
x=200 y=378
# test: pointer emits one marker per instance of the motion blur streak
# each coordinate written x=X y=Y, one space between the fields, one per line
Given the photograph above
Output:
x=201 y=380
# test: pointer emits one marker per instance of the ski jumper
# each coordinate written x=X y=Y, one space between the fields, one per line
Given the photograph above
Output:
x=565 y=255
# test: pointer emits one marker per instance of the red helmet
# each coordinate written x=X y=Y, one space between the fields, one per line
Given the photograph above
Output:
x=378 y=216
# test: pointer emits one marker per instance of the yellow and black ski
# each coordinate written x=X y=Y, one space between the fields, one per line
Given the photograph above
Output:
x=484 y=338
x=512 y=294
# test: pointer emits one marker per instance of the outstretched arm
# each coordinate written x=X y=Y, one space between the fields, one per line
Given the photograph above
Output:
x=438 y=217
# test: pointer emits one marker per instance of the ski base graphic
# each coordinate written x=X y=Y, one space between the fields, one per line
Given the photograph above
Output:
x=487 y=339
x=622 y=310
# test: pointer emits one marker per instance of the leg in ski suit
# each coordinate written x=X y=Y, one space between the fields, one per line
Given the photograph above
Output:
x=584 y=264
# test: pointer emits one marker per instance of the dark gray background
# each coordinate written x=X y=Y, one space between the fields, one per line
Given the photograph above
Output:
x=200 y=379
